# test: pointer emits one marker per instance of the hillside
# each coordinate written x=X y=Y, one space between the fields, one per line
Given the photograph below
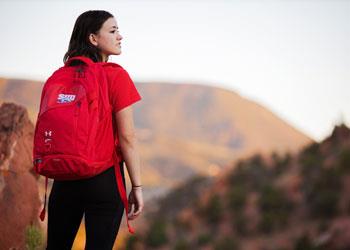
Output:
x=290 y=202
x=187 y=129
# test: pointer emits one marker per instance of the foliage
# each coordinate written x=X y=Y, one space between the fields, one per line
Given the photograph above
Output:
x=183 y=196
x=240 y=223
x=275 y=208
x=156 y=235
x=251 y=174
x=322 y=193
x=213 y=209
x=182 y=226
x=344 y=160
x=280 y=163
x=305 y=243
x=311 y=160
x=204 y=239
x=321 y=186
x=312 y=149
x=33 y=238
x=226 y=243
x=310 y=165
x=237 y=197
x=131 y=242
x=182 y=244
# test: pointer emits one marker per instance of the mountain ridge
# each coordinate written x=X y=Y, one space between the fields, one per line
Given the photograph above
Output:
x=196 y=128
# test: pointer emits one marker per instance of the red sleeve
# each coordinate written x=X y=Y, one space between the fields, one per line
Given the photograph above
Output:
x=123 y=92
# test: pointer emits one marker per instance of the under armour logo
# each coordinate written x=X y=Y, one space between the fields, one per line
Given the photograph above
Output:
x=64 y=98
x=48 y=133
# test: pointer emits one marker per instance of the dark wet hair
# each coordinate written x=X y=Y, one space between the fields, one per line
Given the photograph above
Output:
x=79 y=45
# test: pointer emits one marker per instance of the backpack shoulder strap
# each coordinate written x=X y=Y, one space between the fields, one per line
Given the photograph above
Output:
x=83 y=59
x=110 y=64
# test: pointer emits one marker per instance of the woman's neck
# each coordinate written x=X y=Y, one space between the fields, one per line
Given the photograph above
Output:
x=104 y=58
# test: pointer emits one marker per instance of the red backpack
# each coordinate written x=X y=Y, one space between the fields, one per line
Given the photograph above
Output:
x=73 y=136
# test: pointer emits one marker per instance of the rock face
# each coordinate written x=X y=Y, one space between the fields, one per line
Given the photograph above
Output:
x=19 y=194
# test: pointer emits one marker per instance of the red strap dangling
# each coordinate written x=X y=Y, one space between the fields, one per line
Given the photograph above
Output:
x=42 y=214
x=121 y=189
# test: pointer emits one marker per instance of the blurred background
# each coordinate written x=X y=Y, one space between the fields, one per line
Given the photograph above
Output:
x=242 y=126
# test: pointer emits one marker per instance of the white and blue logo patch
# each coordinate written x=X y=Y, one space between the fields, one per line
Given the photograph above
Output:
x=64 y=98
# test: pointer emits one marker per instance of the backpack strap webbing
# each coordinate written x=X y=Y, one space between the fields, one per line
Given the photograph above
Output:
x=121 y=189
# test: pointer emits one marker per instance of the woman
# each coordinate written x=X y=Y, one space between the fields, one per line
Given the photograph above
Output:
x=95 y=35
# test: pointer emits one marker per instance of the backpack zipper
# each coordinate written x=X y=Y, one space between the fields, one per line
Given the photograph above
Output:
x=77 y=109
x=76 y=118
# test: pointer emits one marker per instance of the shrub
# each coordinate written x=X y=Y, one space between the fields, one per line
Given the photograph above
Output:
x=344 y=160
x=251 y=174
x=256 y=160
x=310 y=165
x=226 y=243
x=311 y=160
x=156 y=235
x=237 y=197
x=181 y=225
x=238 y=175
x=324 y=204
x=184 y=195
x=182 y=244
x=275 y=208
x=304 y=243
x=240 y=223
x=131 y=242
x=204 y=239
x=33 y=238
x=280 y=163
x=267 y=222
x=213 y=210
x=313 y=148
x=323 y=225
x=322 y=193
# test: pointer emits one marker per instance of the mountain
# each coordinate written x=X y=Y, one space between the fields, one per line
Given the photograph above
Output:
x=19 y=192
x=187 y=129
x=290 y=201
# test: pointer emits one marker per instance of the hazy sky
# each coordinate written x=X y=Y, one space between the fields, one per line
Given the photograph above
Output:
x=291 y=56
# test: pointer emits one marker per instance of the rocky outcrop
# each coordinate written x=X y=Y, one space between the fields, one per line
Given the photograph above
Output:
x=291 y=201
x=19 y=199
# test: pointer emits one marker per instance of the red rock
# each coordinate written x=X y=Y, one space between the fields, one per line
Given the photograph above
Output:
x=19 y=199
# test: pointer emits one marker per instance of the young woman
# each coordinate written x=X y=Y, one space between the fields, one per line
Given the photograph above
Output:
x=95 y=35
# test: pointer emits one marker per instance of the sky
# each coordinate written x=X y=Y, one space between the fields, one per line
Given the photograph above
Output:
x=291 y=56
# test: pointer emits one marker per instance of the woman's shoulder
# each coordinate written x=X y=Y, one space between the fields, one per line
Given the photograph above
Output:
x=112 y=67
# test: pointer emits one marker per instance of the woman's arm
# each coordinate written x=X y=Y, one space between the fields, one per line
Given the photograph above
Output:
x=128 y=143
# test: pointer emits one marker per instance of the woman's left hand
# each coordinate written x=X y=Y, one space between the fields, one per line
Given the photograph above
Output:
x=135 y=203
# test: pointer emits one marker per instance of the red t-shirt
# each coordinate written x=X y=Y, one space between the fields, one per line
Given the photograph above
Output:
x=122 y=93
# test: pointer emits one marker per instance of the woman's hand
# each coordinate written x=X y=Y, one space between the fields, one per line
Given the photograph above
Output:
x=135 y=202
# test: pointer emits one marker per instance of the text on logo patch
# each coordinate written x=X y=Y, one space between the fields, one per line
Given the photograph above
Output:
x=64 y=98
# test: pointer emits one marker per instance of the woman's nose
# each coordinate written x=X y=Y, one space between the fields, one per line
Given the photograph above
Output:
x=120 y=37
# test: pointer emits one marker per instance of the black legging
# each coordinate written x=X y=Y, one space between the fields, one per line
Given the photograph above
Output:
x=98 y=198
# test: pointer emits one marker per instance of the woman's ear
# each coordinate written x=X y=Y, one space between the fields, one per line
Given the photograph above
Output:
x=93 y=39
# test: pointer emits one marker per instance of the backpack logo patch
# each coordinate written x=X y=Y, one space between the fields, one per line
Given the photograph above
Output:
x=64 y=98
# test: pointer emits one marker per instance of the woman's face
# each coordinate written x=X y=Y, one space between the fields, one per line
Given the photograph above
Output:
x=107 y=39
